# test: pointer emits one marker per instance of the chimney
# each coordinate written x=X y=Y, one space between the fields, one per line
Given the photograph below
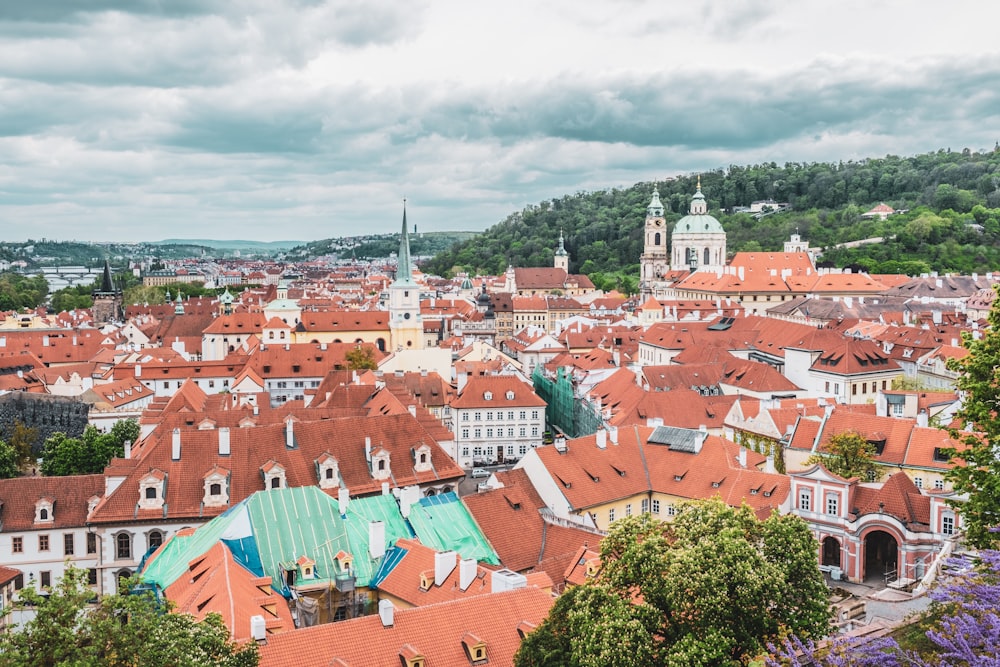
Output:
x=560 y=444
x=376 y=539
x=769 y=463
x=322 y=346
x=256 y=410
x=258 y=629
x=175 y=449
x=444 y=564
x=289 y=434
x=385 y=612
x=385 y=488
x=224 y=441
x=922 y=419
x=613 y=434
x=602 y=439
x=343 y=498
x=743 y=457
x=467 y=569
x=412 y=410
x=138 y=370
x=128 y=449
x=368 y=449
x=654 y=422
x=507 y=580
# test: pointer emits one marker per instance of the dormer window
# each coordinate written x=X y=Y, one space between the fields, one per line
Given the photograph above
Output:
x=422 y=458
x=328 y=471
x=380 y=464
x=475 y=649
x=274 y=475
x=409 y=656
x=216 y=486
x=43 y=510
x=510 y=396
x=488 y=395
x=152 y=490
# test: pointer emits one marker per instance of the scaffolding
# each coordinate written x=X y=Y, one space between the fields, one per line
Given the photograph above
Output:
x=575 y=416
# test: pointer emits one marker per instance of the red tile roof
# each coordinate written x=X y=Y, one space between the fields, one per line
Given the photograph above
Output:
x=435 y=631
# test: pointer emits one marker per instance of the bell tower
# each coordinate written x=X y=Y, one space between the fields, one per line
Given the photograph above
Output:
x=654 y=260
x=405 y=324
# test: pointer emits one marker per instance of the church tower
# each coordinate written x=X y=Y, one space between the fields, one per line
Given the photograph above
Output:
x=561 y=260
x=107 y=299
x=653 y=262
x=405 y=323
x=698 y=240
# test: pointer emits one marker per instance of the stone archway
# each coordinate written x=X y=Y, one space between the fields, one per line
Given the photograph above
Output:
x=831 y=551
x=881 y=555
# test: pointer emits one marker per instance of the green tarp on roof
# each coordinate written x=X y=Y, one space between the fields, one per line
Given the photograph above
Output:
x=443 y=523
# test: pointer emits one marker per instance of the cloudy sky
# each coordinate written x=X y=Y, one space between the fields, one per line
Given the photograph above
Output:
x=305 y=119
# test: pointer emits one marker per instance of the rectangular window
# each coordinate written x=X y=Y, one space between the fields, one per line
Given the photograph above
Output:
x=832 y=504
x=523 y=414
x=477 y=433
x=489 y=433
x=656 y=506
x=628 y=509
x=897 y=409
x=465 y=450
x=534 y=414
x=805 y=500
x=948 y=524
x=92 y=576
x=827 y=387
x=489 y=415
x=671 y=510
x=477 y=451
x=465 y=416
x=522 y=450
x=17 y=545
x=938 y=484
x=918 y=482
x=465 y=433
x=854 y=390
x=68 y=544
x=645 y=505
x=522 y=432
x=91 y=543
x=46 y=578
x=510 y=415
x=510 y=432
x=611 y=514
x=43 y=542
x=477 y=416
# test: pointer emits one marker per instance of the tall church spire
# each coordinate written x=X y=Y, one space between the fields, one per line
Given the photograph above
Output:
x=404 y=272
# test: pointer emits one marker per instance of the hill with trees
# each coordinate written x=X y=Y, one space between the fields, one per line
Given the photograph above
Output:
x=950 y=219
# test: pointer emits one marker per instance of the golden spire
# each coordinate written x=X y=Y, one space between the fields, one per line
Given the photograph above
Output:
x=699 y=182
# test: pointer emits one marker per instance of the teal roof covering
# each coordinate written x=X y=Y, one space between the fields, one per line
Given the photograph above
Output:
x=279 y=526
x=704 y=224
x=443 y=523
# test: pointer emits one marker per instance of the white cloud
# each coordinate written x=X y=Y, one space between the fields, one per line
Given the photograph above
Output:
x=268 y=119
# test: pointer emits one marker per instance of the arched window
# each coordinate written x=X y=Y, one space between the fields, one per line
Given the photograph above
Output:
x=155 y=539
x=150 y=493
x=329 y=473
x=123 y=546
x=707 y=260
x=656 y=239
x=43 y=514
x=380 y=344
x=215 y=489
x=381 y=464
x=275 y=482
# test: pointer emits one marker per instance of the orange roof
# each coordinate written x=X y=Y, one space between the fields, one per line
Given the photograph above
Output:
x=435 y=632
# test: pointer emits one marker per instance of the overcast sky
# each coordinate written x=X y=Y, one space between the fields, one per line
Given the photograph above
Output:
x=306 y=119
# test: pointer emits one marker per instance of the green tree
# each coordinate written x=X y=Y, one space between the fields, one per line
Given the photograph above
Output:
x=711 y=588
x=10 y=464
x=88 y=454
x=122 y=630
x=977 y=470
x=849 y=455
x=22 y=438
x=361 y=357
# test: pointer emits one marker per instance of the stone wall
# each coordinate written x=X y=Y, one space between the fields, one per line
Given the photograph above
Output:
x=46 y=413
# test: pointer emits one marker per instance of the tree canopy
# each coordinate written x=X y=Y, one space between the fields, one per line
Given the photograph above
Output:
x=88 y=454
x=977 y=473
x=849 y=455
x=711 y=588
x=121 y=630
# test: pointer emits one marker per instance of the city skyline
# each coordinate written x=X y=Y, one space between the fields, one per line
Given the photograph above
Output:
x=309 y=119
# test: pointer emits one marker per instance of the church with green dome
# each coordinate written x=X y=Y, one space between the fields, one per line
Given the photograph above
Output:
x=698 y=240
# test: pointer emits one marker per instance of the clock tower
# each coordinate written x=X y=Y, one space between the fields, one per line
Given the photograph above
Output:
x=654 y=261
x=405 y=324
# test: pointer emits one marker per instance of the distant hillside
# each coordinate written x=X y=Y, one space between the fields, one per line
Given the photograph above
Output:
x=952 y=221
x=235 y=244
x=376 y=246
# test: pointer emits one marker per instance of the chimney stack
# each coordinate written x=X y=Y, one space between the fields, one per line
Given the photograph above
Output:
x=376 y=539
x=175 y=449
x=444 y=564
x=602 y=439
x=467 y=569
x=385 y=612
x=224 y=441
x=289 y=434
x=343 y=498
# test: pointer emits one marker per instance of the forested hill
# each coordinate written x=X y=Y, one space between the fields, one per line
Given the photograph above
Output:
x=951 y=223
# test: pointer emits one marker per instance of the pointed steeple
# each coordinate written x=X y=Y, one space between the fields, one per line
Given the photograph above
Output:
x=107 y=285
x=561 y=252
x=655 y=208
x=404 y=272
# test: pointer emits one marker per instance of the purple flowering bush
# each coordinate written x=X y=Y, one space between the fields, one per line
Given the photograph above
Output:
x=967 y=633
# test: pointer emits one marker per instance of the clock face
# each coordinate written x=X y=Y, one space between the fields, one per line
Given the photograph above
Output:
x=658 y=223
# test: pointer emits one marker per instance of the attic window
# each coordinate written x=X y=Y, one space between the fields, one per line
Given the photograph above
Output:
x=939 y=455
x=488 y=395
x=678 y=478
x=510 y=395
